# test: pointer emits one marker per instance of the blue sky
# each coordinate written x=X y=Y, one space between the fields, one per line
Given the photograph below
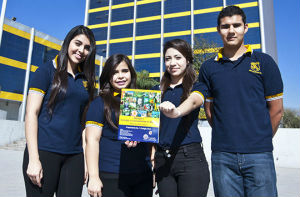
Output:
x=57 y=17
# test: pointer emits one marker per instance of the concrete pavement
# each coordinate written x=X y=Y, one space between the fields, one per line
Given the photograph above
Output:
x=12 y=184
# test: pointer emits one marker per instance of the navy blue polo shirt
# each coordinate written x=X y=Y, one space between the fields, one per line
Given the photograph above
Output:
x=61 y=131
x=239 y=91
x=175 y=132
x=114 y=156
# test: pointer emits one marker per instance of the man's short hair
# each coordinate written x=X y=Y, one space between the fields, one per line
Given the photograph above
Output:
x=230 y=11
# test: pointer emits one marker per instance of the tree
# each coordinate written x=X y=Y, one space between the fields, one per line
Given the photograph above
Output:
x=291 y=119
x=203 y=50
x=143 y=80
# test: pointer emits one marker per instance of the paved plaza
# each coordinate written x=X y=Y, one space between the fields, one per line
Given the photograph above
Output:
x=12 y=184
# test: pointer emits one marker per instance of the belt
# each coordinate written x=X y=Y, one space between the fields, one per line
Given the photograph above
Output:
x=168 y=152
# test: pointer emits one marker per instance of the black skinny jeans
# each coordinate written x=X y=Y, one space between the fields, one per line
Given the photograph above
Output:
x=185 y=173
x=127 y=185
x=62 y=175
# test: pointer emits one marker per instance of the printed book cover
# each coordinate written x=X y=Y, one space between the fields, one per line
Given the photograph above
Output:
x=139 y=115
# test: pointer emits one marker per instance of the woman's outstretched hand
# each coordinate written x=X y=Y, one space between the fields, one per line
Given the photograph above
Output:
x=169 y=109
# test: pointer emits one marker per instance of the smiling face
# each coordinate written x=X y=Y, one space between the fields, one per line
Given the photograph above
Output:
x=78 y=49
x=121 y=77
x=175 y=63
x=232 y=30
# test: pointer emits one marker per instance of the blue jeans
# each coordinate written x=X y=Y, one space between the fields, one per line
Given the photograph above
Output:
x=236 y=174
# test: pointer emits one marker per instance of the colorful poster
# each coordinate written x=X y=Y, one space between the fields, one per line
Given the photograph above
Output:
x=139 y=115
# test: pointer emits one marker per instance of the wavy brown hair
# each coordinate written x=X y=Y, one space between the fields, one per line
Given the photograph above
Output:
x=189 y=75
x=112 y=103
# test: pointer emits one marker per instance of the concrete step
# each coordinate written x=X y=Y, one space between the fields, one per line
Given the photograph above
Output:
x=16 y=145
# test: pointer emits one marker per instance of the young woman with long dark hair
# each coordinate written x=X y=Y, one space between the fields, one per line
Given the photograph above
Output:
x=59 y=91
x=114 y=168
x=181 y=168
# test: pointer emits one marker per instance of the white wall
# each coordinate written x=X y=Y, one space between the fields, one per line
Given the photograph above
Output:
x=11 y=108
x=206 y=141
x=286 y=142
x=10 y=131
x=3 y=114
x=286 y=146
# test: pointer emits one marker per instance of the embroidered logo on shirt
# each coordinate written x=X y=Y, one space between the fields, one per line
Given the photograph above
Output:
x=84 y=83
x=255 y=67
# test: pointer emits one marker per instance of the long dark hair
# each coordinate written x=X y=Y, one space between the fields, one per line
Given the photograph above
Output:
x=189 y=75
x=60 y=80
x=106 y=89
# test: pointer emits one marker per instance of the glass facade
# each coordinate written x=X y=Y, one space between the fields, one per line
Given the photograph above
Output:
x=177 y=23
x=13 y=57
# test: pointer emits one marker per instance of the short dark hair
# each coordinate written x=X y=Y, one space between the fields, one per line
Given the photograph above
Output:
x=230 y=11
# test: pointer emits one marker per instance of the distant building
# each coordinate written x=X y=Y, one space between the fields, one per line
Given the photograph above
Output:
x=139 y=28
x=135 y=28
x=13 y=63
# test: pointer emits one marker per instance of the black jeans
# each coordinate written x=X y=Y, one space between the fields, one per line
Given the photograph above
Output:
x=126 y=185
x=183 y=173
x=62 y=174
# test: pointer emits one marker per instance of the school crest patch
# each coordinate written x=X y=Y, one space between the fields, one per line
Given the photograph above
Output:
x=84 y=83
x=255 y=67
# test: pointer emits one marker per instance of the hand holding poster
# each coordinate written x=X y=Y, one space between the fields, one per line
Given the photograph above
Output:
x=139 y=115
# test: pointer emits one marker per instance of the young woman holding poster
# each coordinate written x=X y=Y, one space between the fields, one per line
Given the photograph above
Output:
x=114 y=168
x=181 y=168
x=59 y=91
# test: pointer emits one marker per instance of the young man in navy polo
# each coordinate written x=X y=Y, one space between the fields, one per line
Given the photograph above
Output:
x=244 y=108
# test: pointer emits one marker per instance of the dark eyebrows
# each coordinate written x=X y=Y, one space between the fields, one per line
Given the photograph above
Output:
x=122 y=70
x=237 y=24
x=228 y=25
x=87 y=46
x=176 y=55
x=78 y=41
